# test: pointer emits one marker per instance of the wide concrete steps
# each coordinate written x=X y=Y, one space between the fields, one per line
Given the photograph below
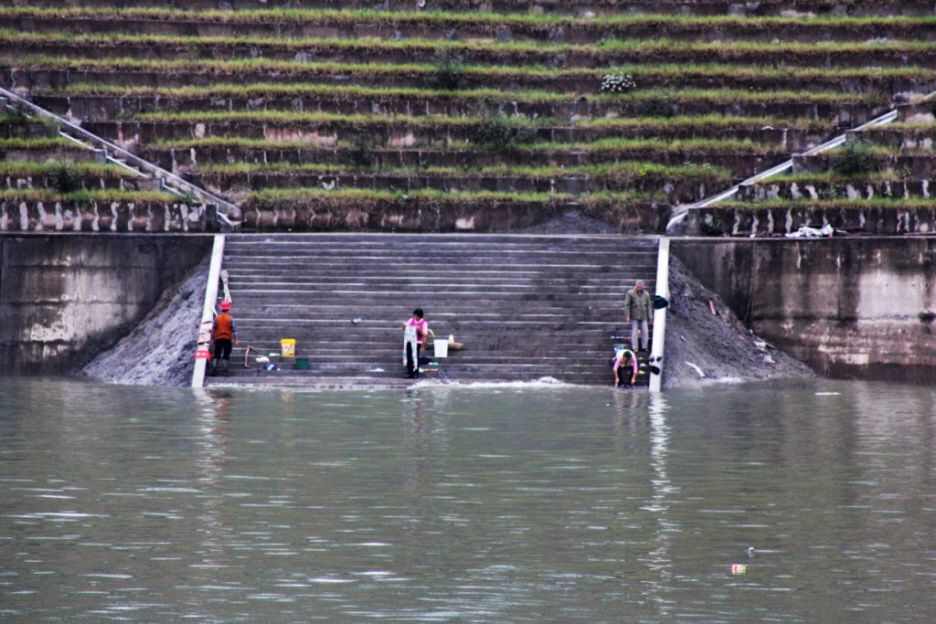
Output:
x=525 y=307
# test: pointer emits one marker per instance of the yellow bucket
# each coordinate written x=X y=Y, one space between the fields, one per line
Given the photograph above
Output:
x=288 y=346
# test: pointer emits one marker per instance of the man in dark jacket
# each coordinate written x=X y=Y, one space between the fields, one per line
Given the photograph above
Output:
x=638 y=311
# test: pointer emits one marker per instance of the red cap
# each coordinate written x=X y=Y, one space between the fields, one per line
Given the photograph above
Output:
x=225 y=305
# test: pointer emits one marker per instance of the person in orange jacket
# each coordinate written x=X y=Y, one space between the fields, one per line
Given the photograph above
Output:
x=224 y=335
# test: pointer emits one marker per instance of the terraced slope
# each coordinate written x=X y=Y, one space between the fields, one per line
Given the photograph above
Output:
x=447 y=119
x=49 y=183
x=525 y=307
x=881 y=181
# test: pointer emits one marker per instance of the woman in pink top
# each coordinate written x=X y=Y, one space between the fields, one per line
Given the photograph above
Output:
x=622 y=359
x=415 y=328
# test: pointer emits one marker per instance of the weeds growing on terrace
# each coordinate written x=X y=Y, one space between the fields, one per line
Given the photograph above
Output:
x=678 y=146
x=102 y=195
x=273 y=198
x=754 y=74
x=625 y=173
x=451 y=18
x=362 y=151
x=354 y=93
x=628 y=169
x=500 y=132
x=459 y=50
x=912 y=129
x=604 y=147
x=830 y=177
x=13 y=168
x=317 y=199
x=65 y=179
x=701 y=122
x=449 y=74
x=267 y=116
x=855 y=158
x=340 y=93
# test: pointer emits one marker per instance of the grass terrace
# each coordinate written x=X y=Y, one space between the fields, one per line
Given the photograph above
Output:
x=606 y=53
x=331 y=118
x=83 y=195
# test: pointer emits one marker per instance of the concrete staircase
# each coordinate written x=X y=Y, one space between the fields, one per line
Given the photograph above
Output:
x=525 y=307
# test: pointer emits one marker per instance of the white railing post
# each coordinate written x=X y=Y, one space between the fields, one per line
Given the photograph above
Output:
x=659 y=315
x=207 y=318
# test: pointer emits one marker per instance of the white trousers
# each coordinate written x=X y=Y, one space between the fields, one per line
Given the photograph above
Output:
x=644 y=328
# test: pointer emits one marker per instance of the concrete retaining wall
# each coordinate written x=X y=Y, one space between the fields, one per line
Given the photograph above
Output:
x=37 y=216
x=878 y=219
x=63 y=298
x=850 y=308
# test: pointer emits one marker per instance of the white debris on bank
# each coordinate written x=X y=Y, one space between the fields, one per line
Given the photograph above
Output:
x=696 y=368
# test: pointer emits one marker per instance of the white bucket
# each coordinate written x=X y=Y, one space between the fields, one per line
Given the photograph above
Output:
x=441 y=348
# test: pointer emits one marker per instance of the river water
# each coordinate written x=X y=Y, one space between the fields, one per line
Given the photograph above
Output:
x=793 y=502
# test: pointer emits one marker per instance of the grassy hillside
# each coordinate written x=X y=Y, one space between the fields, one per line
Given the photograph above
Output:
x=447 y=118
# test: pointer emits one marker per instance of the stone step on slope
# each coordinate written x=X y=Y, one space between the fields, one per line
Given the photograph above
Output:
x=543 y=306
x=351 y=49
x=858 y=108
x=745 y=77
x=550 y=7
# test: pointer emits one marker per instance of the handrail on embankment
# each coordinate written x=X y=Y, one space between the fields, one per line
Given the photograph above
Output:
x=659 y=316
x=202 y=350
x=680 y=215
x=167 y=179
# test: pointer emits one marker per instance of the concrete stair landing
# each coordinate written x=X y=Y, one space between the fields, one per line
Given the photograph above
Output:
x=525 y=307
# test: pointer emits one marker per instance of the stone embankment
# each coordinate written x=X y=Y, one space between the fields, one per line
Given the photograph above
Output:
x=67 y=297
x=556 y=329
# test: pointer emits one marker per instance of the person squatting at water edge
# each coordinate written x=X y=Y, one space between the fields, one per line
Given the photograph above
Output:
x=224 y=335
x=638 y=311
x=415 y=331
x=623 y=359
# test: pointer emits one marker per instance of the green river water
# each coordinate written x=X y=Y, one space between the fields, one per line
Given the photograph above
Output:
x=784 y=502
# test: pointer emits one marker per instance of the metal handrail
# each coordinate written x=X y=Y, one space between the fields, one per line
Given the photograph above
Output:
x=155 y=170
x=763 y=175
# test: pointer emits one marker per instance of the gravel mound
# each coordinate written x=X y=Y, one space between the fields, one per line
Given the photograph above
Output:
x=703 y=348
x=161 y=350
x=571 y=222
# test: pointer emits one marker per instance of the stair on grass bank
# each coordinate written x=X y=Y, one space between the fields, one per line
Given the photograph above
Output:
x=880 y=181
x=525 y=307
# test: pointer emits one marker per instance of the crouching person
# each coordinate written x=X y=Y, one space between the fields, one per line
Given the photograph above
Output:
x=625 y=368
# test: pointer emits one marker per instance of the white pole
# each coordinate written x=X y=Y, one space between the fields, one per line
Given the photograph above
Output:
x=207 y=319
x=659 y=316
